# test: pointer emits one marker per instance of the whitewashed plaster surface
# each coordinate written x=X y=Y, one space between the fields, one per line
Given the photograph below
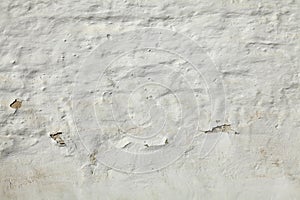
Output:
x=154 y=99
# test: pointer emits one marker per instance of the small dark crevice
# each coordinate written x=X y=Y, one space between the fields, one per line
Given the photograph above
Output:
x=57 y=138
x=221 y=129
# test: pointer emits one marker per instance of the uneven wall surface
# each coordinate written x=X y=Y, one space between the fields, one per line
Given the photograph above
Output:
x=149 y=99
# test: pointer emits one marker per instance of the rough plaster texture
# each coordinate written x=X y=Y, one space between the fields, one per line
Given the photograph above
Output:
x=215 y=82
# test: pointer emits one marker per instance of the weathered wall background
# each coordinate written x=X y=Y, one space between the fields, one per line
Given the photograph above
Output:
x=255 y=47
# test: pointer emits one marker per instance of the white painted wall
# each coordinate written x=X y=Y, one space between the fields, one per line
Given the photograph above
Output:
x=153 y=99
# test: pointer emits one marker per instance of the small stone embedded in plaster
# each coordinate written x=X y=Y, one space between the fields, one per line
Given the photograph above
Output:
x=16 y=104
